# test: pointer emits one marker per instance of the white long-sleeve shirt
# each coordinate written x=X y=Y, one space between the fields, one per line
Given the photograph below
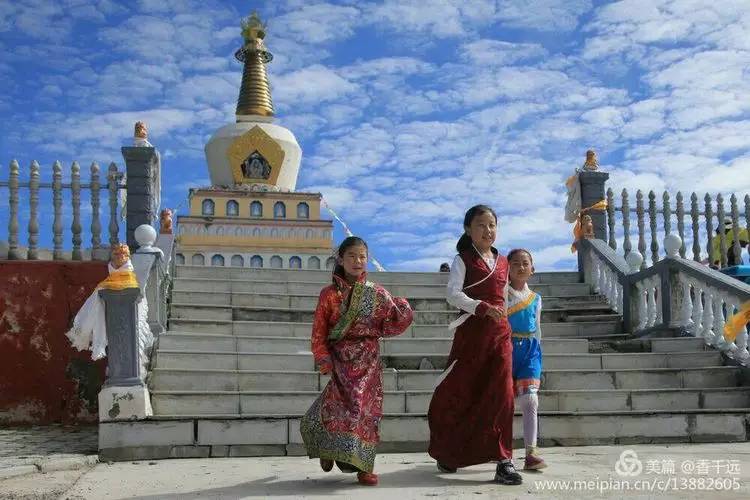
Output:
x=455 y=290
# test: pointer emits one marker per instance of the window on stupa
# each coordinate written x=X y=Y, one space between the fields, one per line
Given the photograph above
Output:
x=330 y=263
x=179 y=259
x=233 y=208
x=198 y=260
x=313 y=263
x=303 y=211
x=295 y=263
x=256 y=209
x=207 y=207
x=217 y=260
x=238 y=261
x=279 y=210
x=256 y=261
x=276 y=262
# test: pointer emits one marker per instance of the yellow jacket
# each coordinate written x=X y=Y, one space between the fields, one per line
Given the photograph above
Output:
x=716 y=244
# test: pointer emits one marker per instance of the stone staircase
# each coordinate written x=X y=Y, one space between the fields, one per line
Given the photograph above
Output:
x=234 y=374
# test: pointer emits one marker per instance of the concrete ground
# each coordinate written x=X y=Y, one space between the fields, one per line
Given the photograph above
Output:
x=713 y=471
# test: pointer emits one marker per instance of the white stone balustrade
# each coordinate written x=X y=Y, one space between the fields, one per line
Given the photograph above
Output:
x=605 y=282
x=703 y=309
x=696 y=299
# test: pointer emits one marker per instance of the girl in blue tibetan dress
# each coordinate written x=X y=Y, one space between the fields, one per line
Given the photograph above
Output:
x=524 y=315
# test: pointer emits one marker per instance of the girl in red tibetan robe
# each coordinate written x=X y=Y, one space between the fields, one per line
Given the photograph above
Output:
x=471 y=412
x=352 y=315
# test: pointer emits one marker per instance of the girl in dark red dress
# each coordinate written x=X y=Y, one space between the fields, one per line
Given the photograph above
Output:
x=352 y=315
x=471 y=412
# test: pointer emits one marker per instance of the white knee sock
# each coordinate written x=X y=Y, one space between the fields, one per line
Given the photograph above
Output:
x=529 y=404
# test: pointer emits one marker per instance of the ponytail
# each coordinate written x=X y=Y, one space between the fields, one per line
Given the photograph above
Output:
x=464 y=243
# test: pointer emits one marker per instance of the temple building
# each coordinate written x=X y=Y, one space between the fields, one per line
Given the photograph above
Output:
x=252 y=216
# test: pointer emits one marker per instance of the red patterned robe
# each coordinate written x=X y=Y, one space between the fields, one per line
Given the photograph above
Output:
x=471 y=412
x=343 y=422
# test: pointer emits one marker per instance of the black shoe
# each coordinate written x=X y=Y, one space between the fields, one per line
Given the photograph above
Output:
x=505 y=473
x=445 y=469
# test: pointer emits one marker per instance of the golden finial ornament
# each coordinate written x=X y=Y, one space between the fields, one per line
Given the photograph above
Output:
x=587 y=225
x=591 y=162
x=141 y=132
x=165 y=221
x=255 y=91
x=120 y=255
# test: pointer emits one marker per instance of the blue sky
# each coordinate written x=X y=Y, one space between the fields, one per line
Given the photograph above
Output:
x=407 y=112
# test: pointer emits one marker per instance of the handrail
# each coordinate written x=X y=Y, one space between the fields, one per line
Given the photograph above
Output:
x=673 y=293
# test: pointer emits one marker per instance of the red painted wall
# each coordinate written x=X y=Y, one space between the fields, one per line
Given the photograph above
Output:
x=42 y=378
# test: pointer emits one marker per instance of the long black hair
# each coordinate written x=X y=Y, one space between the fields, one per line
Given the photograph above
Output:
x=351 y=241
x=464 y=242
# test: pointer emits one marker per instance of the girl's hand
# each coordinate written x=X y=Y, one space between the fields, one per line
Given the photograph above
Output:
x=496 y=312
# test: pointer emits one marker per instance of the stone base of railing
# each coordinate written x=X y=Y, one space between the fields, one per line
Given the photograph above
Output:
x=124 y=403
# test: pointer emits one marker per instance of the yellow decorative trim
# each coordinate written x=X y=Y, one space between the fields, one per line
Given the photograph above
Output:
x=523 y=335
x=255 y=139
x=522 y=305
x=119 y=280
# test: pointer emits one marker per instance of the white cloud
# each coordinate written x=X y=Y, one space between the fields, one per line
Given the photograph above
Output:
x=499 y=53
x=311 y=85
x=542 y=15
x=318 y=23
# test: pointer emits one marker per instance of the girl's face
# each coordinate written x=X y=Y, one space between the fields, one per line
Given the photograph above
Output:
x=354 y=261
x=521 y=268
x=482 y=230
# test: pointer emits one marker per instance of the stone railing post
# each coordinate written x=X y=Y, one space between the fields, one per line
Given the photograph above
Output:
x=151 y=268
x=142 y=170
x=592 y=192
x=125 y=395
x=123 y=368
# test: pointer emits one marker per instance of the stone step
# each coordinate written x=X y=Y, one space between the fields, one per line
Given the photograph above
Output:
x=303 y=329
x=589 y=312
x=296 y=403
x=630 y=344
x=313 y=288
x=281 y=301
x=303 y=362
x=592 y=317
x=175 y=437
x=397 y=345
x=281 y=275
x=192 y=378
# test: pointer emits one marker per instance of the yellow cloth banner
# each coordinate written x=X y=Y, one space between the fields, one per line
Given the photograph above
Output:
x=737 y=322
x=577 y=229
x=119 y=280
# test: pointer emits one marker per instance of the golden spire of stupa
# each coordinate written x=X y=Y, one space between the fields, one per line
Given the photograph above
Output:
x=255 y=92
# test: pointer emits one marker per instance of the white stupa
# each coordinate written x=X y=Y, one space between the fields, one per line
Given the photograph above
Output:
x=254 y=153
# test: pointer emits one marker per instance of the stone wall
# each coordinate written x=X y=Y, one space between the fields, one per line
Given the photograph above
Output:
x=42 y=378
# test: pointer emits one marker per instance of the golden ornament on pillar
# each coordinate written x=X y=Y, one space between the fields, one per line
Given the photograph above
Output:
x=591 y=162
x=120 y=255
x=587 y=225
x=165 y=221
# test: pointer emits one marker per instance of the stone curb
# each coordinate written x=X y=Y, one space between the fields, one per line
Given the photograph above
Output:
x=49 y=465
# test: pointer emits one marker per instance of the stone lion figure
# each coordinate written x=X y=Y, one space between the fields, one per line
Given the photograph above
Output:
x=140 y=135
x=592 y=163
x=165 y=220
